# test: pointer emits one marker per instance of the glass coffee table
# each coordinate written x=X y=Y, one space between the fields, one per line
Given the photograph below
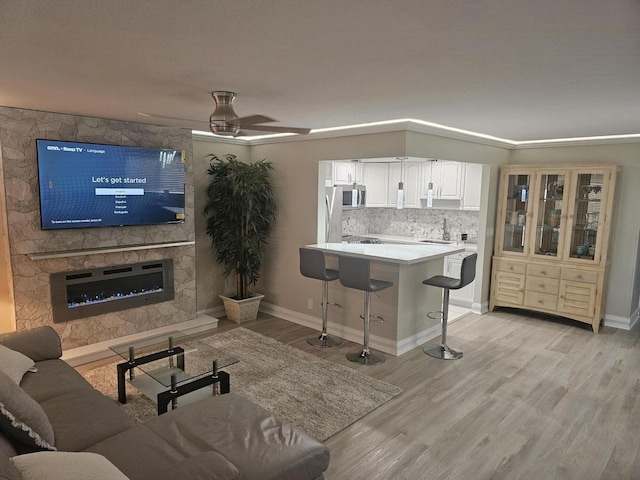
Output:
x=173 y=364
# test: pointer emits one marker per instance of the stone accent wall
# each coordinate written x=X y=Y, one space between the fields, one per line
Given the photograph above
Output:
x=19 y=130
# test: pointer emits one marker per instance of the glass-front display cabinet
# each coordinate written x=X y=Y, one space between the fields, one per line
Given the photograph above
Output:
x=553 y=232
x=513 y=211
x=549 y=213
x=590 y=194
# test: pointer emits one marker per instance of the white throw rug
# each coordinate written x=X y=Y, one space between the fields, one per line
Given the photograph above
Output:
x=316 y=395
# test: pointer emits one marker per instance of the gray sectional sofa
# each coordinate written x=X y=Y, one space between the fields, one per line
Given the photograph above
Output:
x=54 y=410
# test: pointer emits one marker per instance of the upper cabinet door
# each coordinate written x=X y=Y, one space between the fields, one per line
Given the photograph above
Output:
x=409 y=174
x=587 y=215
x=549 y=213
x=514 y=217
x=446 y=178
x=451 y=179
x=376 y=179
x=346 y=173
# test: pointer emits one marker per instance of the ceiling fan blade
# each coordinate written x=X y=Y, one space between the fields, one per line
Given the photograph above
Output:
x=250 y=120
x=166 y=117
x=274 y=129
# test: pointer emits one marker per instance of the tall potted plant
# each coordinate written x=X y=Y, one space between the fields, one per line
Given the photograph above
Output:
x=240 y=213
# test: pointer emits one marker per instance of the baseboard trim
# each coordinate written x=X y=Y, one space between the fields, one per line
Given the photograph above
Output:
x=385 y=345
x=623 y=323
x=98 y=351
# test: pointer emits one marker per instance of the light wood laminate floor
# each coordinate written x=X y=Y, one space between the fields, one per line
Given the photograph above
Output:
x=531 y=399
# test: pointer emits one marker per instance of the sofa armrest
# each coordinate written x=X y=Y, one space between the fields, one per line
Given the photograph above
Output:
x=41 y=343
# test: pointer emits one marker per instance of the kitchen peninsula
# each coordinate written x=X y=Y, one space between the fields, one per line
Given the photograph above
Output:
x=403 y=307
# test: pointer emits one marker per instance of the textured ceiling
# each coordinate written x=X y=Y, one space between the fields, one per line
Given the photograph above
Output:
x=520 y=70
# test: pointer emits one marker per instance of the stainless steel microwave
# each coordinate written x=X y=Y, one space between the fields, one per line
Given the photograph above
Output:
x=354 y=196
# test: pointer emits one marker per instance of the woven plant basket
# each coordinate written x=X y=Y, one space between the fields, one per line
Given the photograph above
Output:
x=242 y=310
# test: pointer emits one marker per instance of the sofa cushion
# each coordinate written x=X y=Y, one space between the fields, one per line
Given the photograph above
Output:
x=7 y=470
x=161 y=460
x=14 y=364
x=6 y=447
x=144 y=444
x=260 y=445
x=207 y=465
x=41 y=343
x=53 y=378
x=67 y=466
x=83 y=417
x=22 y=419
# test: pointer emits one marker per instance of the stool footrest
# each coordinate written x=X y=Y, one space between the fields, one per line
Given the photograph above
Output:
x=436 y=315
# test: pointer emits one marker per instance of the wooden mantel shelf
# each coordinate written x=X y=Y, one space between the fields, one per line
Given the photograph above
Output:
x=101 y=250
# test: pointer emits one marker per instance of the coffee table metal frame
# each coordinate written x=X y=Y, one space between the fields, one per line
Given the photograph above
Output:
x=216 y=377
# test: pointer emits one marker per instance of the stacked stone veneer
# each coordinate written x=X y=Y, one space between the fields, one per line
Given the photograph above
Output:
x=19 y=130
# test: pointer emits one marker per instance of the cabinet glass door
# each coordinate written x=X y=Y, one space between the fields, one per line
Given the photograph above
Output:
x=549 y=214
x=517 y=204
x=586 y=215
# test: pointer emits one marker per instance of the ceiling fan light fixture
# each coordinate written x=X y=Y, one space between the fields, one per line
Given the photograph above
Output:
x=224 y=128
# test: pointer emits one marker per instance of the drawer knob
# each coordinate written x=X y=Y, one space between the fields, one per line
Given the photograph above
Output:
x=543 y=272
x=511 y=267
x=542 y=286
x=579 y=277
x=540 y=301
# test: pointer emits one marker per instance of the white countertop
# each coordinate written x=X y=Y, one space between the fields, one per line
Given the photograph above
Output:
x=414 y=240
x=393 y=253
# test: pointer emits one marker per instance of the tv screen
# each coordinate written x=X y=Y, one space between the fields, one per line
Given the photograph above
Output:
x=90 y=185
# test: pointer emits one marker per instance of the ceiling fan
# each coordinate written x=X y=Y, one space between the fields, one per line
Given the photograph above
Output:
x=225 y=121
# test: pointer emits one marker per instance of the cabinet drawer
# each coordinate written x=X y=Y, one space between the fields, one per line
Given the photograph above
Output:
x=573 y=275
x=542 y=301
x=509 y=288
x=543 y=271
x=512 y=267
x=542 y=285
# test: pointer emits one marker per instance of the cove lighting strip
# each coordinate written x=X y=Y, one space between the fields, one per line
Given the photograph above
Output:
x=513 y=143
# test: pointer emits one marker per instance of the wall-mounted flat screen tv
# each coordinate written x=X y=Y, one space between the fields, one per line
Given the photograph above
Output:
x=89 y=185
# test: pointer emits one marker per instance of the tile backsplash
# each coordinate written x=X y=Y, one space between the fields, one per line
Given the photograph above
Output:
x=410 y=222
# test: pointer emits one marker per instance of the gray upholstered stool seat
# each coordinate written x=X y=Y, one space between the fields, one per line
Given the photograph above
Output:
x=355 y=273
x=467 y=274
x=313 y=265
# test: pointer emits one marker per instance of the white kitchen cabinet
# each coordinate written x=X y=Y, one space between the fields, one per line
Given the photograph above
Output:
x=447 y=178
x=381 y=180
x=452 y=268
x=411 y=184
x=376 y=179
x=345 y=173
x=472 y=186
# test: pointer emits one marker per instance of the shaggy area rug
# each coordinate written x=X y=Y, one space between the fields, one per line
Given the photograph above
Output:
x=316 y=395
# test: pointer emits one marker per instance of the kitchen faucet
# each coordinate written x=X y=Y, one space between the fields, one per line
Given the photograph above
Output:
x=445 y=232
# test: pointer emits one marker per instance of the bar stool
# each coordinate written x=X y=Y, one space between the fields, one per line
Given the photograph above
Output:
x=355 y=273
x=467 y=274
x=313 y=265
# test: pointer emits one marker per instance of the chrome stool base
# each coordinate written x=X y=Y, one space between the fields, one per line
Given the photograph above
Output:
x=442 y=352
x=324 y=340
x=364 y=357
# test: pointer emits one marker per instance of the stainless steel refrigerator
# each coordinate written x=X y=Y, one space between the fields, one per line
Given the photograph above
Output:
x=333 y=217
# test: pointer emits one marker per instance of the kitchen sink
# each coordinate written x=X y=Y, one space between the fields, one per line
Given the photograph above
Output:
x=437 y=242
